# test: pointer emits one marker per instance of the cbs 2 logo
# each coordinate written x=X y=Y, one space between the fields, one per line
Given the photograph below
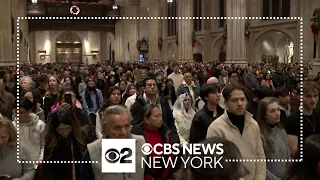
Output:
x=113 y=155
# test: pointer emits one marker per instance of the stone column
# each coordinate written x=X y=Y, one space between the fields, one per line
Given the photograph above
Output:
x=306 y=10
x=255 y=12
x=32 y=46
x=185 y=27
x=104 y=47
x=294 y=8
x=154 y=28
x=133 y=30
x=119 y=47
x=6 y=44
x=236 y=40
x=206 y=27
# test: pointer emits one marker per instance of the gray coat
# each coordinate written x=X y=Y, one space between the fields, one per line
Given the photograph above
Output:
x=10 y=166
x=95 y=155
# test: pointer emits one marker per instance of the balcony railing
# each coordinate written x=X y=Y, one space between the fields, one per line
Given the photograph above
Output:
x=55 y=8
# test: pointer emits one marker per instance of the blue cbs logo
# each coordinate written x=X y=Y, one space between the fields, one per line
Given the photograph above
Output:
x=118 y=156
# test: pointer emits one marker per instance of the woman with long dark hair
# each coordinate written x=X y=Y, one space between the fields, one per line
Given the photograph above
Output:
x=64 y=142
x=113 y=97
x=152 y=128
x=36 y=107
x=169 y=94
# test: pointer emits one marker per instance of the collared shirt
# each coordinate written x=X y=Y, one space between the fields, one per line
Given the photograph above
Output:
x=157 y=102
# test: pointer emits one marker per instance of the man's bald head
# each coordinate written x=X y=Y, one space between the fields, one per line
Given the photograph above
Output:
x=212 y=80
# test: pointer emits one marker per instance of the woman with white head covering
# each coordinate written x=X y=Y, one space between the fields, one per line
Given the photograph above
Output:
x=183 y=115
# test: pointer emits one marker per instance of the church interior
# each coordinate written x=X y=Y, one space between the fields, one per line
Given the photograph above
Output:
x=91 y=31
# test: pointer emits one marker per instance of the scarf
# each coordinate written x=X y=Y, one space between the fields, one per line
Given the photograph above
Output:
x=88 y=97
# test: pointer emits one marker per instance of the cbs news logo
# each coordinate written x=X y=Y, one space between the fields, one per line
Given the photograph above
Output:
x=118 y=156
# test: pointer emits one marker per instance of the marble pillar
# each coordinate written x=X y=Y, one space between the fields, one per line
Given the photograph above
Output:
x=6 y=44
x=134 y=30
x=306 y=10
x=294 y=8
x=154 y=30
x=119 y=47
x=206 y=31
x=236 y=40
x=185 y=28
x=255 y=12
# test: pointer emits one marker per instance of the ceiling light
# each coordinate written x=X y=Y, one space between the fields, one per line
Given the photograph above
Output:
x=114 y=7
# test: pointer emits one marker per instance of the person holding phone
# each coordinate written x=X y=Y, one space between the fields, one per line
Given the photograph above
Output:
x=68 y=101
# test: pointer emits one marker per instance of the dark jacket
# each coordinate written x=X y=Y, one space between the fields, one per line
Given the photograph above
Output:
x=7 y=101
x=166 y=137
x=279 y=79
x=201 y=123
x=58 y=171
x=137 y=113
x=252 y=107
x=184 y=89
x=48 y=102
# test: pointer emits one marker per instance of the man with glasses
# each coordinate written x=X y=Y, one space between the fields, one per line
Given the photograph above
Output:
x=151 y=95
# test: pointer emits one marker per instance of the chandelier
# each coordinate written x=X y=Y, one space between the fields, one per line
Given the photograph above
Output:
x=114 y=7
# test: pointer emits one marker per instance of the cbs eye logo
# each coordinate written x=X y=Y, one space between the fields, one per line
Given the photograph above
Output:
x=113 y=155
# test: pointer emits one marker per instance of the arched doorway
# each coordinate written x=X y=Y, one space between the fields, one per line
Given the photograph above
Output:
x=218 y=51
x=273 y=46
x=68 y=48
x=197 y=52
x=143 y=54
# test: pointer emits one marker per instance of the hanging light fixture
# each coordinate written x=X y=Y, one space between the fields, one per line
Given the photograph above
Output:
x=114 y=7
x=169 y=1
x=34 y=1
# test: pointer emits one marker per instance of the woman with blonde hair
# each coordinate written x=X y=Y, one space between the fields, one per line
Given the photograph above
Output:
x=183 y=115
x=274 y=137
x=9 y=166
x=51 y=95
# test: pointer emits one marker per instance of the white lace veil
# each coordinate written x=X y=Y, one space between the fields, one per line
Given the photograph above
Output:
x=178 y=105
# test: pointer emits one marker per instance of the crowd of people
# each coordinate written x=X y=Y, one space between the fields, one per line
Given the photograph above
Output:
x=63 y=111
